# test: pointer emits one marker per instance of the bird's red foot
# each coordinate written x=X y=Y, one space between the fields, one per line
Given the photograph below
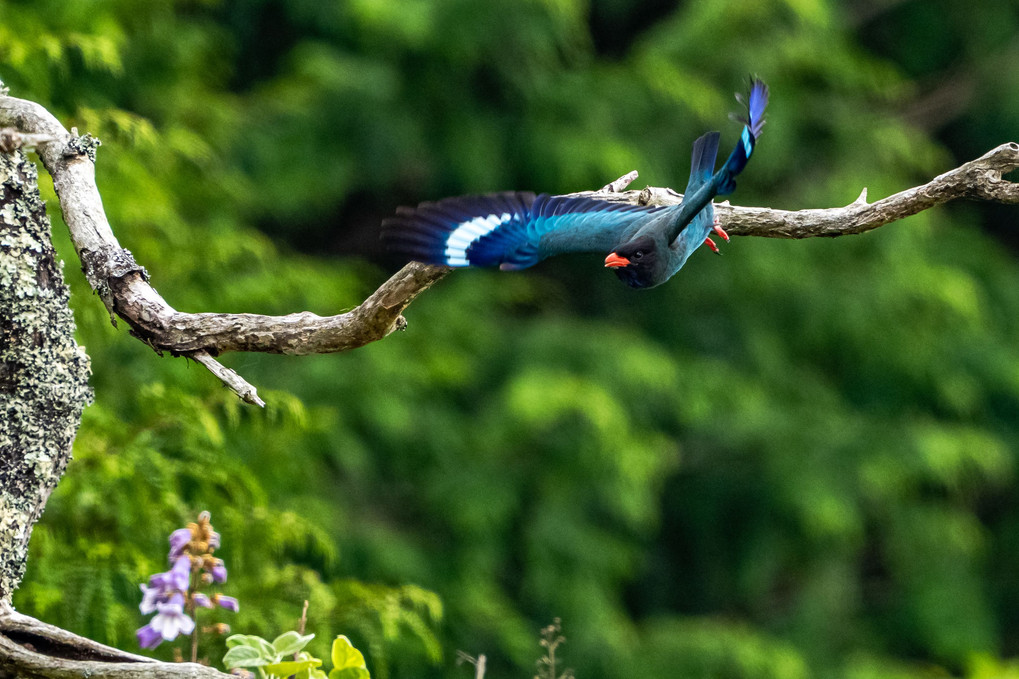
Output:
x=711 y=244
x=717 y=226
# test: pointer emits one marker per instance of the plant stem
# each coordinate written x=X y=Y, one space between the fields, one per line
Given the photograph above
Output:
x=301 y=624
x=191 y=610
x=194 y=645
x=304 y=618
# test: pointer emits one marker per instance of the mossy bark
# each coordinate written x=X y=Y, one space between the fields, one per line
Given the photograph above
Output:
x=43 y=372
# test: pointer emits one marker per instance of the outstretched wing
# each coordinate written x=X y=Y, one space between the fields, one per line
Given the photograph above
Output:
x=512 y=230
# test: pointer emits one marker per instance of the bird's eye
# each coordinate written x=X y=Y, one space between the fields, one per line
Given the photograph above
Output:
x=638 y=254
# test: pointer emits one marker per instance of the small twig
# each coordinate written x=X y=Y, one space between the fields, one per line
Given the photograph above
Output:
x=11 y=139
x=479 y=663
x=229 y=377
x=620 y=184
x=301 y=625
x=304 y=618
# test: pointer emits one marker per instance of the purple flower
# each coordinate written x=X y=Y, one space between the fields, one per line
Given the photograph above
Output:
x=219 y=571
x=179 y=539
x=180 y=574
x=160 y=581
x=227 y=602
x=162 y=586
x=173 y=596
x=171 y=620
x=150 y=597
x=167 y=624
x=148 y=637
x=176 y=579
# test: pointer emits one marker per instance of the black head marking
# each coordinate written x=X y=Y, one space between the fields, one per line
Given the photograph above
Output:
x=642 y=270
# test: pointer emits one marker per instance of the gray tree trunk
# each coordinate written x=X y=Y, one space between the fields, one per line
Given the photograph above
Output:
x=43 y=372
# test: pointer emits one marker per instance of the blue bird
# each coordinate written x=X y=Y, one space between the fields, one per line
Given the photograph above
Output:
x=515 y=230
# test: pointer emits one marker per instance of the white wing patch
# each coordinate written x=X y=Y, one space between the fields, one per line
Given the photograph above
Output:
x=468 y=233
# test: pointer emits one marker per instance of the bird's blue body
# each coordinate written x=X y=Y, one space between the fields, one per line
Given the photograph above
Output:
x=647 y=245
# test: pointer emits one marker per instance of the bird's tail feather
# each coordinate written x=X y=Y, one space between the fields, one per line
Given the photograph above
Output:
x=702 y=167
x=753 y=124
x=702 y=160
x=700 y=192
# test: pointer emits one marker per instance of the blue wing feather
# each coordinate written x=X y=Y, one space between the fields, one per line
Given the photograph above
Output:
x=513 y=230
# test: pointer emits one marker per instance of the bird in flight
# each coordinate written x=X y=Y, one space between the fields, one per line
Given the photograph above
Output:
x=515 y=230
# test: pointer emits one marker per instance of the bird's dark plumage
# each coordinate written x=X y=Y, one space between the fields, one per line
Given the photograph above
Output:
x=512 y=230
x=647 y=245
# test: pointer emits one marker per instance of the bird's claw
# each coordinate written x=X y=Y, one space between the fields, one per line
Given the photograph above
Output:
x=717 y=226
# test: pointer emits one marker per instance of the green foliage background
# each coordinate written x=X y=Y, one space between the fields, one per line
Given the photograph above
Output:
x=797 y=460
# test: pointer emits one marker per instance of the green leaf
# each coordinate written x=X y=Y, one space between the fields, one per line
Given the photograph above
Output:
x=311 y=673
x=344 y=655
x=350 y=673
x=244 y=656
x=289 y=667
x=264 y=648
x=291 y=642
x=236 y=640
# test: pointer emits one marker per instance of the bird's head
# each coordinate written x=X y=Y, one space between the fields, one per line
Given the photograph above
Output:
x=637 y=263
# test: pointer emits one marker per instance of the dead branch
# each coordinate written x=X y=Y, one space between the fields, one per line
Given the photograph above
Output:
x=124 y=287
x=979 y=179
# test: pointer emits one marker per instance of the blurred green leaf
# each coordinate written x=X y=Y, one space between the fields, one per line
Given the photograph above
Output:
x=344 y=655
x=290 y=642
x=245 y=656
x=291 y=667
x=349 y=673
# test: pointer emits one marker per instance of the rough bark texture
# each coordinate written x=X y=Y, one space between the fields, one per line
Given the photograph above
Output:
x=43 y=372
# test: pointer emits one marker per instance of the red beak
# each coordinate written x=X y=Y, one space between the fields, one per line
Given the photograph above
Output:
x=615 y=261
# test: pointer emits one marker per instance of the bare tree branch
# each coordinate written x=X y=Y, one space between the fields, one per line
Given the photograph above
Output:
x=123 y=285
x=979 y=179
x=30 y=649
x=125 y=290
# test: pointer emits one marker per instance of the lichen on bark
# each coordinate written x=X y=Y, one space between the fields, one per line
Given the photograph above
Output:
x=43 y=372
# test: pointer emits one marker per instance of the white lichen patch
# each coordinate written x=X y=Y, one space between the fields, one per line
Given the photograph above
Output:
x=10 y=527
